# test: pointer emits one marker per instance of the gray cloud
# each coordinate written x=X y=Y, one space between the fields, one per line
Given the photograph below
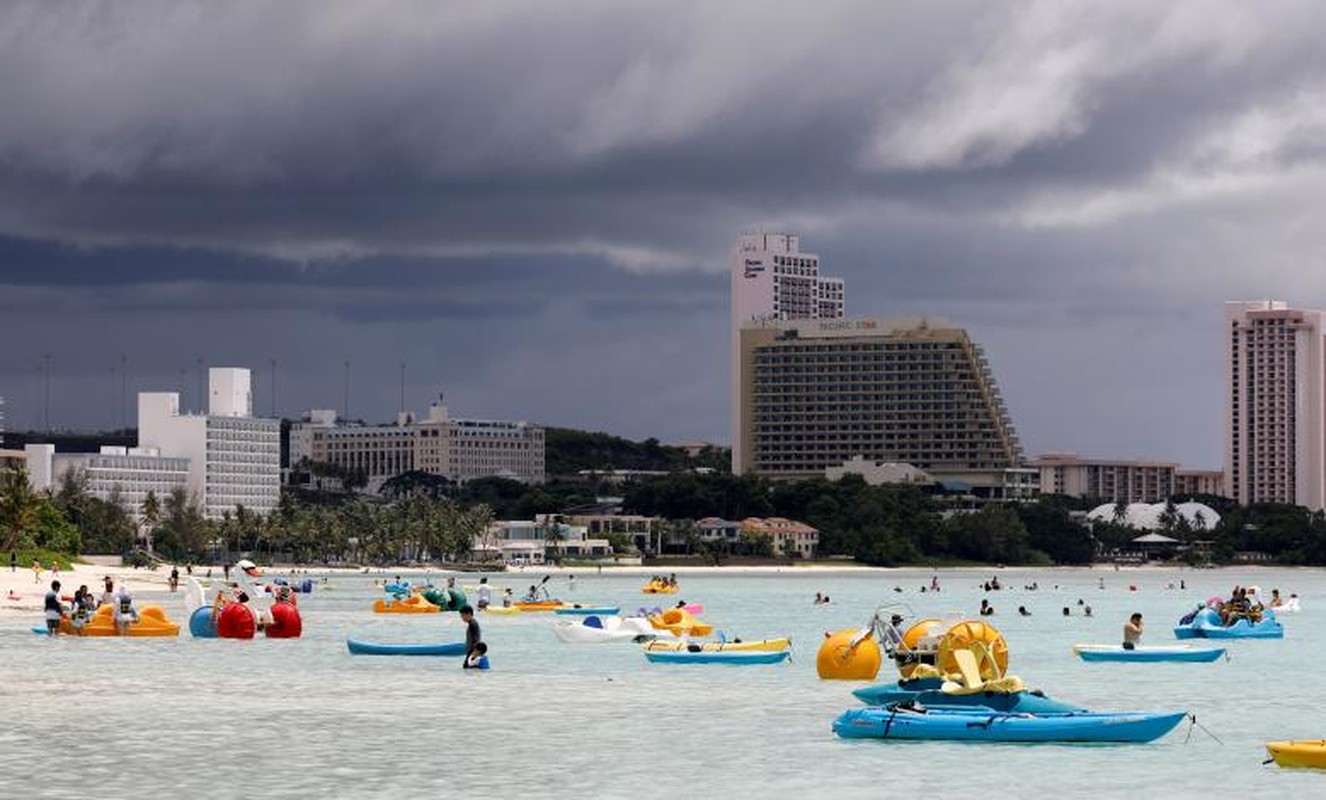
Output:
x=516 y=194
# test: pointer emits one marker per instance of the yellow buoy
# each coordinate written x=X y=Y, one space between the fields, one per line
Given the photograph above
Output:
x=839 y=658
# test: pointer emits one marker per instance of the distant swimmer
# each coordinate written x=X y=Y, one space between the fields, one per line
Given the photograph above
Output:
x=1087 y=611
x=1022 y=610
x=987 y=610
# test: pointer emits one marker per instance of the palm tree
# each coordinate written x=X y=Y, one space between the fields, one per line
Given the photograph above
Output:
x=18 y=504
x=151 y=513
x=552 y=536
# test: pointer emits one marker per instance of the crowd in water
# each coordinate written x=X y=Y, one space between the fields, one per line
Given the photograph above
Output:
x=80 y=608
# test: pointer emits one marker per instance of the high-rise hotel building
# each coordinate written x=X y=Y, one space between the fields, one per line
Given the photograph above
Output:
x=773 y=280
x=1275 y=407
x=812 y=390
x=816 y=393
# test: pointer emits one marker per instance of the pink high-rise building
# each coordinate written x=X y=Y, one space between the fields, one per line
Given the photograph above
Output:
x=1275 y=406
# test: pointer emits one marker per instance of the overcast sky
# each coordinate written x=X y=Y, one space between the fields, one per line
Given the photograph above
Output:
x=530 y=204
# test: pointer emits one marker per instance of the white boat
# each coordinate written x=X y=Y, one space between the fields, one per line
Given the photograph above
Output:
x=607 y=629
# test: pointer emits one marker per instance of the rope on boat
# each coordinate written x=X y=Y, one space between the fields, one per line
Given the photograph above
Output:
x=1195 y=724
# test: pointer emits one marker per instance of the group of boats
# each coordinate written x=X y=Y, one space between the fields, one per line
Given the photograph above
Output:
x=954 y=685
x=669 y=637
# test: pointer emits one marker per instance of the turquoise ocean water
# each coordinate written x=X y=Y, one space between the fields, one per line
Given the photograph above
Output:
x=110 y=718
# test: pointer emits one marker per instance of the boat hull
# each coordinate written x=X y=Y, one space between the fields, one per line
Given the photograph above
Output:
x=1207 y=625
x=1307 y=754
x=982 y=726
x=927 y=693
x=1102 y=652
x=360 y=647
x=732 y=657
x=766 y=645
x=588 y=610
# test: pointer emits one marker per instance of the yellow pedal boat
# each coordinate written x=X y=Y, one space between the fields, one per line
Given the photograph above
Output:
x=680 y=622
x=1300 y=753
x=654 y=587
x=414 y=604
x=152 y=621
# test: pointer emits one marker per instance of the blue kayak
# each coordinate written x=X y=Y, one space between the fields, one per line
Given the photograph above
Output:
x=717 y=656
x=363 y=648
x=1206 y=625
x=606 y=611
x=1114 y=652
x=969 y=724
x=926 y=692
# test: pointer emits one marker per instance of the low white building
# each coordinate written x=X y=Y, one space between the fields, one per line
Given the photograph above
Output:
x=126 y=474
x=460 y=450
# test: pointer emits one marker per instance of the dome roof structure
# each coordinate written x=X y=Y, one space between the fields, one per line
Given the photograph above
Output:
x=1147 y=516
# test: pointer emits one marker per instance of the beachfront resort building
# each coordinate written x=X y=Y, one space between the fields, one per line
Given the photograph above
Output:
x=816 y=394
x=772 y=279
x=1199 y=481
x=1114 y=481
x=115 y=474
x=460 y=450
x=224 y=459
x=234 y=457
x=1275 y=408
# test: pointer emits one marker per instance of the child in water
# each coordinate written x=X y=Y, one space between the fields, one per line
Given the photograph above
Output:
x=478 y=657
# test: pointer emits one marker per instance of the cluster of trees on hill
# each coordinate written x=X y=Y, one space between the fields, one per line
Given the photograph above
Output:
x=569 y=451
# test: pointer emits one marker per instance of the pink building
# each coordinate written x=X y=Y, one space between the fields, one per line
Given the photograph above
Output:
x=1275 y=408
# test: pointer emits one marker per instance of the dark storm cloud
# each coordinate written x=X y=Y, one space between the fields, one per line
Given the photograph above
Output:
x=511 y=195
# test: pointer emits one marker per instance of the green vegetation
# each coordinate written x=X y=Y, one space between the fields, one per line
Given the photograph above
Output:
x=570 y=451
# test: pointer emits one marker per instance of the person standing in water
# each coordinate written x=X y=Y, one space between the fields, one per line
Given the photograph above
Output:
x=1132 y=632
x=485 y=594
x=54 y=610
x=473 y=636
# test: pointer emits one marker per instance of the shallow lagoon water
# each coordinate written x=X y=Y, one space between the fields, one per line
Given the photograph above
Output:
x=127 y=718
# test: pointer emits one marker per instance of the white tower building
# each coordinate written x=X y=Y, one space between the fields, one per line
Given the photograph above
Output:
x=773 y=280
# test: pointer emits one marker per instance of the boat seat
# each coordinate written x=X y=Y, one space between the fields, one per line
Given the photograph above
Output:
x=969 y=673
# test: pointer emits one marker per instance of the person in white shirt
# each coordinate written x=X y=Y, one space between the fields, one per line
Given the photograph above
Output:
x=485 y=593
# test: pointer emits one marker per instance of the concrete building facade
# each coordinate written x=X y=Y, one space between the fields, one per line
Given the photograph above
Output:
x=1112 y=480
x=1199 y=481
x=815 y=394
x=234 y=458
x=1275 y=404
x=458 y=449
x=772 y=279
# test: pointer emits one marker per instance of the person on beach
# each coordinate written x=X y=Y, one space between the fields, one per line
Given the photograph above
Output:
x=13 y=561
x=473 y=636
x=477 y=658
x=36 y=571
x=1132 y=632
x=174 y=579
x=485 y=594
x=54 y=610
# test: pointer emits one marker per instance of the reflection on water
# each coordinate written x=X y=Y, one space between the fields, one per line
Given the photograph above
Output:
x=128 y=718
